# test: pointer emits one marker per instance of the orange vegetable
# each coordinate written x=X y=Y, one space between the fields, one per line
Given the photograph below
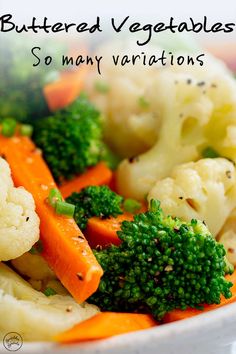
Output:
x=106 y=324
x=102 y=232
x=95 y=176
x=66 y=89
x=177 y=315
x=64 y=246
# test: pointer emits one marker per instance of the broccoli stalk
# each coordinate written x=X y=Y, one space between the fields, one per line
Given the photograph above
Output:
x=95 y=201
x=162 y=264
x=71 y=139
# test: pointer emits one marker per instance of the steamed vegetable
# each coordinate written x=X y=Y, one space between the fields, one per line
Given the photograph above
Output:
x=192 y=108
x=64 y=247
x=106 y=324
x=33 y=315
x=65 y=89
x=103 y=232
x=227 y=236
x=204 y=190
x=71 y=139
x=98 y=201
x=177 y=315
x=19 y=223
x=162 y=264
x=33 y=266
x=97 y=175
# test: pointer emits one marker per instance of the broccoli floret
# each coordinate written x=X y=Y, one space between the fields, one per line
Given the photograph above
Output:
x=95 y=201
x=71 y=139
x=162 y=264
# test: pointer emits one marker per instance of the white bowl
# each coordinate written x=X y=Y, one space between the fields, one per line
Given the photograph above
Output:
x=209 y=333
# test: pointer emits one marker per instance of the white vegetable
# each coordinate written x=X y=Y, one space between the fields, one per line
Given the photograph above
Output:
x=32 y=314
x=196 y=109
x=19 y=223
x=130 y=116
x=204 y=190
x=33 y=266
x=227 y=237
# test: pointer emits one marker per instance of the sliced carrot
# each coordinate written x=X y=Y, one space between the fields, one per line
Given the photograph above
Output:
x=102 y=232
x=64 y=246
x=95 y=176
x=106 y=324
x=177 y=315
x=66 y=89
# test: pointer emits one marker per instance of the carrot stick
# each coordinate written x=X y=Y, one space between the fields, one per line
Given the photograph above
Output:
x=64 y=91
x=102 y=232
x=64 y=246
x=95 y=176
x=177 y=315
x=106 y=324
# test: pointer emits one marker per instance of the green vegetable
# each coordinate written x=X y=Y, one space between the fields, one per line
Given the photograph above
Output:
x=71 y=140
x=26 y=130
x=92 y=201
x=131 y=205
x=162 y=264
x=209 y=152
x=54 y=197
x=66 y=209
x=49 y=291
x=8 y=127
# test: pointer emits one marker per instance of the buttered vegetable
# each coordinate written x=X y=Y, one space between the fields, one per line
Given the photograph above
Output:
x=19 y=223
x=162 y=264
x=31 y=313
x=203 y=190
x=193 y=108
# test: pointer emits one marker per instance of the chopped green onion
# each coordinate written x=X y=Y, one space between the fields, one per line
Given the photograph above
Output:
x=8 y=127
x=131 y=205
x=143 y=102
x=66 y=209
x=101 y=87
x=209 y=152
x=54 y=197
x=26 y=130
x=49 y=292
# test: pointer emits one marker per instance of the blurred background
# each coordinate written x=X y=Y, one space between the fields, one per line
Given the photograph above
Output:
x=21 y=82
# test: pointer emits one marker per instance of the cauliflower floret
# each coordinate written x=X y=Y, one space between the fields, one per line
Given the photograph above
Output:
x=197 y=109
x=131 y=119
x=33 y=266
x=32 y=314
x=19 y=223
x=227 y=236
x=204 y=190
